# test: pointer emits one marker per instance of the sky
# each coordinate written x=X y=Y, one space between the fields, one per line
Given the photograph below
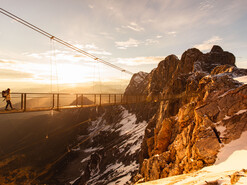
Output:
x=133 y=34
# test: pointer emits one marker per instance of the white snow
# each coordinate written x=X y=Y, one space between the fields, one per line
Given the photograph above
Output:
x=242 y=180
x=226 y=117
x=118 y=170
x=237 y=113
x=221 y=129
x=128 y=122
x=232 y=156
x=85 y=159
x=90 y=150
x=127 y=127
x=136 y=132
x=72 y=182
x=113 y=167
x=241 y=111
x=121 y=181
x=242 y=79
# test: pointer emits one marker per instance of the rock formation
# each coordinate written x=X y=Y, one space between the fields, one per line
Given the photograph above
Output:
x=202 y=108
x=137 y=84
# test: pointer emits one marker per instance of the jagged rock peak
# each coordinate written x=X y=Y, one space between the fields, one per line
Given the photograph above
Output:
x=139 y=77
x=137 y=83
x=216 y=49
x=188 y=59
x=170 y=70
x=201 y=98
x=216 y=57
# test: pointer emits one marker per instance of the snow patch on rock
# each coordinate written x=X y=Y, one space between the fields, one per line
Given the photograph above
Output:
x=242 y=79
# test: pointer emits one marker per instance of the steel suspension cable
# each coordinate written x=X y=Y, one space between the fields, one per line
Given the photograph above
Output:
x=37 y=29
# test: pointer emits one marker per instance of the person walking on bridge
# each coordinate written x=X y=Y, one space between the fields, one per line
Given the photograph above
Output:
x=8 y=98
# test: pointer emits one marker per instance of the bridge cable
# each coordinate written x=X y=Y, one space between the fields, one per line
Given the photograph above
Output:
x=55 y=59
x=35 y=28
x=99 y=78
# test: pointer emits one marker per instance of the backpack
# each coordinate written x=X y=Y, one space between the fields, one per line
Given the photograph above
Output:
x=4 y=94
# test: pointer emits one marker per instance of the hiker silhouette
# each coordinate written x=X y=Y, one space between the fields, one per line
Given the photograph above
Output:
x=8 y=98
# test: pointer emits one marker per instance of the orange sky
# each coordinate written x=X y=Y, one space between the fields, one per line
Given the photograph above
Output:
x=135 y=40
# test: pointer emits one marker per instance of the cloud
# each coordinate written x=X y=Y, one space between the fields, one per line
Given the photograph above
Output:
x=137 y=61
x=134 y=26
x=127 y=44
x=93 y=49
x=6 y=62
x=206 y=5
x=91 y=6
x=57 y=55
x=171 y=33
x=62 y=55
x=207 y=45
x=107 y=35
x=6 y=74
x=151 y=42
x=135 y=43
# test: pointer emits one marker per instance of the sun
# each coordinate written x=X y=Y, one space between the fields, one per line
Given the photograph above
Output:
x=73 y=74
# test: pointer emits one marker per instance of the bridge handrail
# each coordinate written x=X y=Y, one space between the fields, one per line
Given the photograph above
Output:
x=71 y=93
x=58 y=100
x=77 y=100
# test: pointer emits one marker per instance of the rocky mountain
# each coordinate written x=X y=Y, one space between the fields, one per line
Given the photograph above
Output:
x=195 y=109
x=202 y=108
x=137 y=84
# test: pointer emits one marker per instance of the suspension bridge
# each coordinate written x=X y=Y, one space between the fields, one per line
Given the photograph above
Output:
x=29 y=102
x=32 y=102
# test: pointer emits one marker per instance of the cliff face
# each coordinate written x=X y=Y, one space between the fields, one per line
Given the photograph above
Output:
x=202 y=109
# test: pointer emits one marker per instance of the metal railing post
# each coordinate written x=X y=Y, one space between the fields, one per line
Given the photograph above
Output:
x=81 y=100
x=100 y=99
x=95 y=99
x=109 y=98
x=76 y=101
x=115 y=99
x=53 y=101
x=21 y=101
x=25 y=102
x=121 y=99
x=57 y=101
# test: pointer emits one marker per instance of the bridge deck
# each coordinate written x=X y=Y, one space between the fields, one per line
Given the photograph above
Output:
x=33 y=102
x=56 y=109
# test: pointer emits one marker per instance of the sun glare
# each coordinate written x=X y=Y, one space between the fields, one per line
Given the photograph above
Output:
x=72 y=73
